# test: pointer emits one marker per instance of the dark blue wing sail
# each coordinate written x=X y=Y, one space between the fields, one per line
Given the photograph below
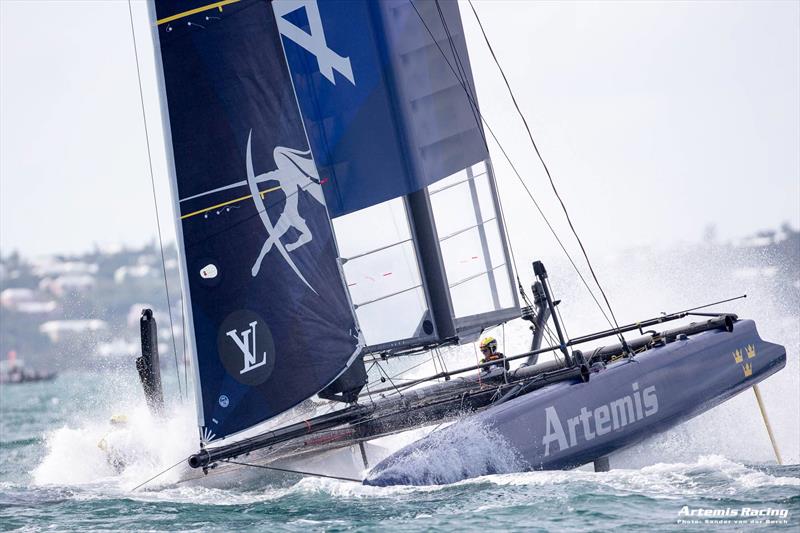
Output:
x=272 y=323
x=388 y=100
x=384 y=116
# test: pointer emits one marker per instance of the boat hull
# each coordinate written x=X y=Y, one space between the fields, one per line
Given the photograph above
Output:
x=569 y=424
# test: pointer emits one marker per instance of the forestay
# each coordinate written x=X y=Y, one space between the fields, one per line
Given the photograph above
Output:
x=387 y=97
x=271 y=323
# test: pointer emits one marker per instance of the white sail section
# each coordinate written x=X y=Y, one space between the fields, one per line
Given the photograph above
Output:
x=393 y=271
x=472 y=246
x=383 y=274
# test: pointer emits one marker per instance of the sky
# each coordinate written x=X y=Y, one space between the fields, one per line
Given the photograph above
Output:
x=657 y=120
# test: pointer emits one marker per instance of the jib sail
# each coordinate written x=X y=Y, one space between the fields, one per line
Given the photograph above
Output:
x=386 y=93
x=270 y=319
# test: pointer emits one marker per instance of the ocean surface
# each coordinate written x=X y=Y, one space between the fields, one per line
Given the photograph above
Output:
x=53 y=475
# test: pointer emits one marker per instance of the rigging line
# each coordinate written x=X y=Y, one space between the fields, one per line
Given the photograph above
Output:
x=463 y=79
x=461 y=75
x=290 y=471
x=216 y=5
x=304 y=416
x=527 y=301
x=551 y=340
x=441 y=358
x=558 y=312
x=294 y=419
x=478 y=361
x=184 y=329
x=474 y=98
x=155 y=203
x=226 y=203
x=369 y=392
x=544 y=165
x=159 y=474
x=517 y=174
x=266 y=208
x=437 y=361
x=466 y=391
x=382 y=371
x=397 y=376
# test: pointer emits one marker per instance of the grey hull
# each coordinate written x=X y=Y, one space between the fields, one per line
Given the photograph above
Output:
x=569 y=424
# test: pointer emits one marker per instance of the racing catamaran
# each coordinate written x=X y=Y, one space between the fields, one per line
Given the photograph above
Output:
x=337 y=208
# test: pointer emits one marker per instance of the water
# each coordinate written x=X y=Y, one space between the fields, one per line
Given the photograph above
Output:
x=54 y=476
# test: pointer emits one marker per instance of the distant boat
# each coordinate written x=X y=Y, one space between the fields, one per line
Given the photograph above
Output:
x=12 y=370
x=337 y=206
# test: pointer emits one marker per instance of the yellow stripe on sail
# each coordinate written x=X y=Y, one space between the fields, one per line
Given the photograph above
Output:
x=229 y=202
x=215 y=5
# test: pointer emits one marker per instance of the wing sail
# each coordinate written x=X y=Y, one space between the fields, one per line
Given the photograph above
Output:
x=271 y=321
x=388 y=100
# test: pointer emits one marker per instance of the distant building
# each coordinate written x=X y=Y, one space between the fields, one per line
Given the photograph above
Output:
x=59 y=330
x=38 y=308
x=11 y=298
x=62 y=285
x=136 y=271
x=23 y=300
x=50 y=266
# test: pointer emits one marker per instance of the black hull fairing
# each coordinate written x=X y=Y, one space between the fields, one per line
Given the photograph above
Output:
x=572 y=423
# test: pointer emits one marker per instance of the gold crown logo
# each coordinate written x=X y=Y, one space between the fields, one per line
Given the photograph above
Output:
x=737 y=356
x=748 y=370
x=751 y=351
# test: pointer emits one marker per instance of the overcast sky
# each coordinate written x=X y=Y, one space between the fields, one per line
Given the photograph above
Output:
x=656 y=119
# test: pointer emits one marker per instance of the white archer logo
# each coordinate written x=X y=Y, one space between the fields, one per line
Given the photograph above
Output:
x=247 y=344
x=314 y=40
x=295 y=172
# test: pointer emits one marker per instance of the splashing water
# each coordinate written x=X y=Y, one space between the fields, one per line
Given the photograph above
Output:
x=448 y=456
x=53 y=472
x=126 y=454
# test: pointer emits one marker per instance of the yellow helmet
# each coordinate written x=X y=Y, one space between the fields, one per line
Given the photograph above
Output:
x=489 y=344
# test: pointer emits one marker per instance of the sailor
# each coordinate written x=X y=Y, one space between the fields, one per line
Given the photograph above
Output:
x=490 y=353
x=110 y=442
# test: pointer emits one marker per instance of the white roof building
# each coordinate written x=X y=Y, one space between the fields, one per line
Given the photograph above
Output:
x=135 y=271
x=53 y=267
x=57 y=330
x=67 y=283
x=11 y=298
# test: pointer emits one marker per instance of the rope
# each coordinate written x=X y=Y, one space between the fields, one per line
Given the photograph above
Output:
x=478 y=362
x=441 y=358
x=397 y=376
x=155 y=202
x=184 y=330
x=547 y=171
x=382 y=371
x=290 y=471
x=514 y=169
x=158 y=475
x=461 y=75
